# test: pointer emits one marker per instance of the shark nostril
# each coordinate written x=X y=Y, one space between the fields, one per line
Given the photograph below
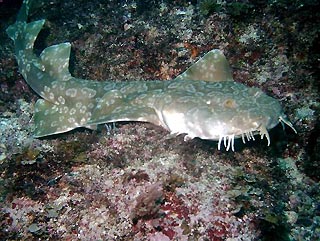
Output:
x=283 y=120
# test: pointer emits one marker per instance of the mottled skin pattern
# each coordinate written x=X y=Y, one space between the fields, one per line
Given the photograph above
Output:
x=203 y=102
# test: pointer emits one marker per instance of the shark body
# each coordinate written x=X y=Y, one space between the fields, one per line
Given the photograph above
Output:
x=203 y=102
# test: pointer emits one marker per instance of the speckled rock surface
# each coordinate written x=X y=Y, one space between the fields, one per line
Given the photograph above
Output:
x=133 y=181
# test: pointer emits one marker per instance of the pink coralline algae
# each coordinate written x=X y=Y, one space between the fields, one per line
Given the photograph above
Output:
x=135 y=181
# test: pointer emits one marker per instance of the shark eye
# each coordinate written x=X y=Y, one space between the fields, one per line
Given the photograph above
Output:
x=230 y=104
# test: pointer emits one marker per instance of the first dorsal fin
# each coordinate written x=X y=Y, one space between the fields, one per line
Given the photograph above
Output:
x=55 y=60
x=212 y=67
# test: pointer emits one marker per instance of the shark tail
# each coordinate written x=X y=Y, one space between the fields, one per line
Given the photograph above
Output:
x=53 y=62
x=24 y=11
x=22 y=33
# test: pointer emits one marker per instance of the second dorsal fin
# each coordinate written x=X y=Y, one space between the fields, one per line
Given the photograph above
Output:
x=55 y=60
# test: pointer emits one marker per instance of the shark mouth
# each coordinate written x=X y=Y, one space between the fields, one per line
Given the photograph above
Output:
x=228 y=140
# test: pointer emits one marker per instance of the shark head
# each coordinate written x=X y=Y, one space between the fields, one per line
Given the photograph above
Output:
x=218 y=108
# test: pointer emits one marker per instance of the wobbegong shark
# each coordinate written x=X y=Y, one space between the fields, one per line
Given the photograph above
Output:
x=204 y=101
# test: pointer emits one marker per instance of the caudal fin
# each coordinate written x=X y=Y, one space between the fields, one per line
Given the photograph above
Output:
x=22 y=33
